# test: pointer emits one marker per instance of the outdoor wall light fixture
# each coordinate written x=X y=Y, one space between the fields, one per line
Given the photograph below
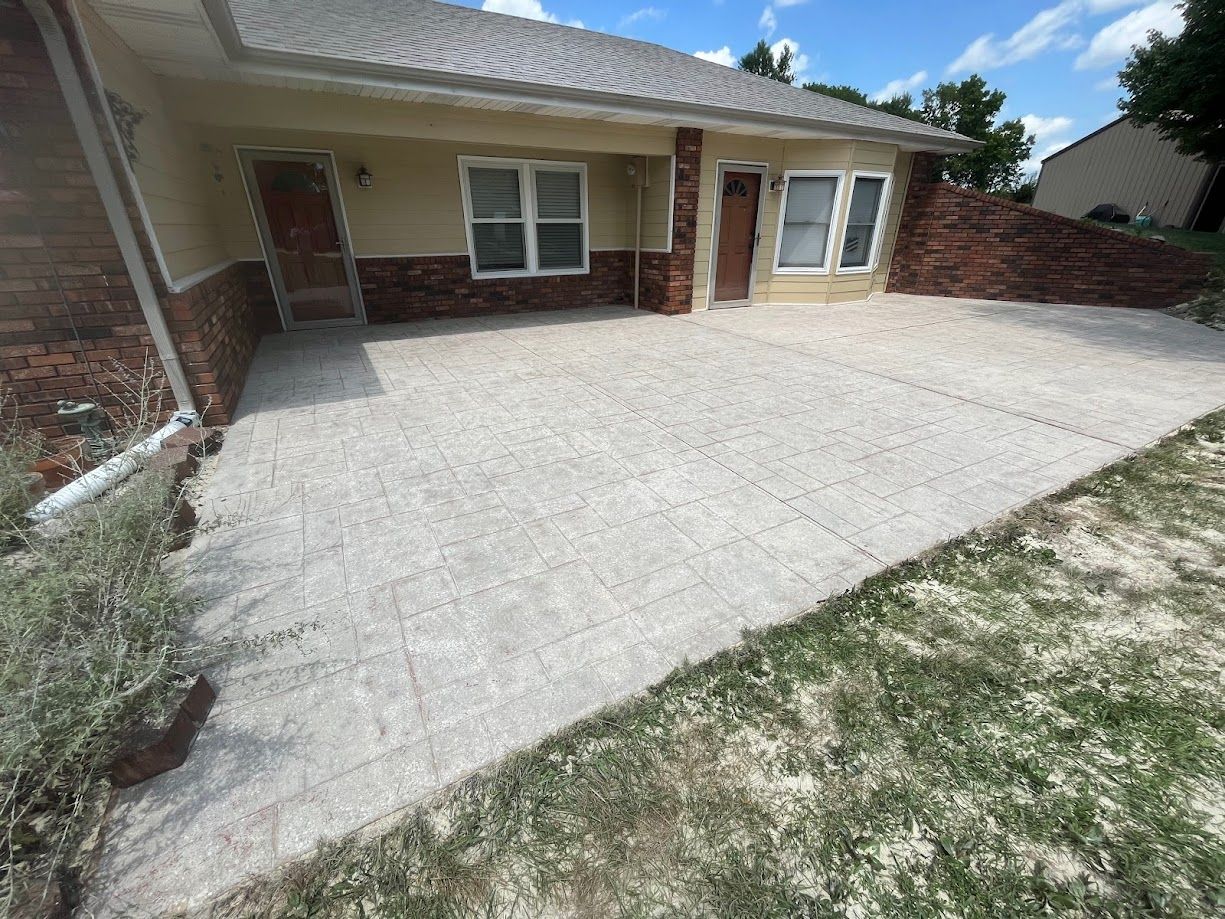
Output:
x=777 y=183
x=365 y=179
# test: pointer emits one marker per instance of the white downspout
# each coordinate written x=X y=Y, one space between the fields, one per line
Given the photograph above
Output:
x=112 y=199
x=637 y=242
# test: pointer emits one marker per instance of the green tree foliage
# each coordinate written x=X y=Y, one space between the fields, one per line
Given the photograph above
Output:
x=847 y=93
x=902 y=104
x=1024 y=193
x=761 y=61
x=971 y=109
x=1178 y=84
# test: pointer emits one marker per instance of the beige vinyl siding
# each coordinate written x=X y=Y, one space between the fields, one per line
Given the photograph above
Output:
x=236 y=105
x=657 y=203
x=779 y=156
x=1128 y=166
x=893 y=221
x=415 y=206
x=170 y=173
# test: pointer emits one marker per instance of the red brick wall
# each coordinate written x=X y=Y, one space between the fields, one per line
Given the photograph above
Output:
x=70 y=325
x=438 y=286
x=215 y=332
x=955 y=242
x=61 y=274
x=666 y=278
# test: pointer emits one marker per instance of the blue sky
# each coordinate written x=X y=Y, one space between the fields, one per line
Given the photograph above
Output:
x=1056 y=59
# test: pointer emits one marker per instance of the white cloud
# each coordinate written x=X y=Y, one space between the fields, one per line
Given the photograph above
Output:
x=1050 y=136
x=897 y=87
x=799 y=60
x=722 y=56
x=642 y=15
x=1043 y=128
x=1113 y=43
x=526 y=9
x=1048 y=29
x=782 y=4
x=768 y=21
x=1054 y=28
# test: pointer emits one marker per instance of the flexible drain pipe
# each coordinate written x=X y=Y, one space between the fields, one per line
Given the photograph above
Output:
x=114 y=470
x=112 y=199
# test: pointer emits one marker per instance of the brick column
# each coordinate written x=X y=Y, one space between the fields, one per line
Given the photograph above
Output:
x=667 y=278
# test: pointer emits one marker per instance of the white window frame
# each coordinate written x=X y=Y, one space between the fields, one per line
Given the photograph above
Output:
x=837 y=174
x=527 y=209
x=882 y=210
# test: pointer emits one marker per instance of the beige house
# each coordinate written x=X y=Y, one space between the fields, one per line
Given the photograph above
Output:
x=536 y=157
x=1133 y=166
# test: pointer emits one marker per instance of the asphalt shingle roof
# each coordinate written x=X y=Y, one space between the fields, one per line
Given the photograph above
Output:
x=448 y=40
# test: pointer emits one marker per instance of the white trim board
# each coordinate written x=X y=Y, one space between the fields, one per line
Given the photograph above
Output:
x=191 y=280
x=95 y=76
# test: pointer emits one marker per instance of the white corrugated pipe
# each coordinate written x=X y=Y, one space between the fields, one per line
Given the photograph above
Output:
x=113 y=471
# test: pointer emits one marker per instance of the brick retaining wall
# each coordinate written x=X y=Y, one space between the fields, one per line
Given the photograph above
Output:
x=956 y=242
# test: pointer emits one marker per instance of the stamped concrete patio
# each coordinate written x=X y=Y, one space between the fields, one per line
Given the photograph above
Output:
x=500 y=525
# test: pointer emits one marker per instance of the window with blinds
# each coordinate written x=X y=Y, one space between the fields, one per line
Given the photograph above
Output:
x=863 y=217
x=807 y=219
x=526 y=217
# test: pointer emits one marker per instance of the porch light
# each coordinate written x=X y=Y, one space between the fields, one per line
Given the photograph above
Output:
x=777 y=183
x=364 y=178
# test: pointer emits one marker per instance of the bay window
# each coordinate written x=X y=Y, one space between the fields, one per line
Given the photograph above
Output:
x=864 y=215
x=525 y=217
x=806 y=222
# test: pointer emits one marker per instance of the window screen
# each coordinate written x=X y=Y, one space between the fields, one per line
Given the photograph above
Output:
x=497 y=218
x=559 y=219
x=808 y=214
x=526 y=217
x=861 y=222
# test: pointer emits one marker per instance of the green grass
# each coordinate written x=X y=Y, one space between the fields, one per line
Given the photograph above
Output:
x=1026 y=722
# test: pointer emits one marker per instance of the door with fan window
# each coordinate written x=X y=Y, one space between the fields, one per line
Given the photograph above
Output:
x=295 y=198
x=737 y=233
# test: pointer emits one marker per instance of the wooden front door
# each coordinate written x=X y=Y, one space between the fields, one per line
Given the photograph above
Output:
x=302 y=234
x=737 y=242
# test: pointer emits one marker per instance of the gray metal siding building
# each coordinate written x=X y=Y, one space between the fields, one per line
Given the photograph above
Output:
x=1132 y=166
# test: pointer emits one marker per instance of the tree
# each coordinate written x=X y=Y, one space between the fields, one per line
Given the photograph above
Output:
x=902 y=104
x=1178 y=84
x=847 y=93
x=1024 y=193
x=970 y=109
x=762 y=62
